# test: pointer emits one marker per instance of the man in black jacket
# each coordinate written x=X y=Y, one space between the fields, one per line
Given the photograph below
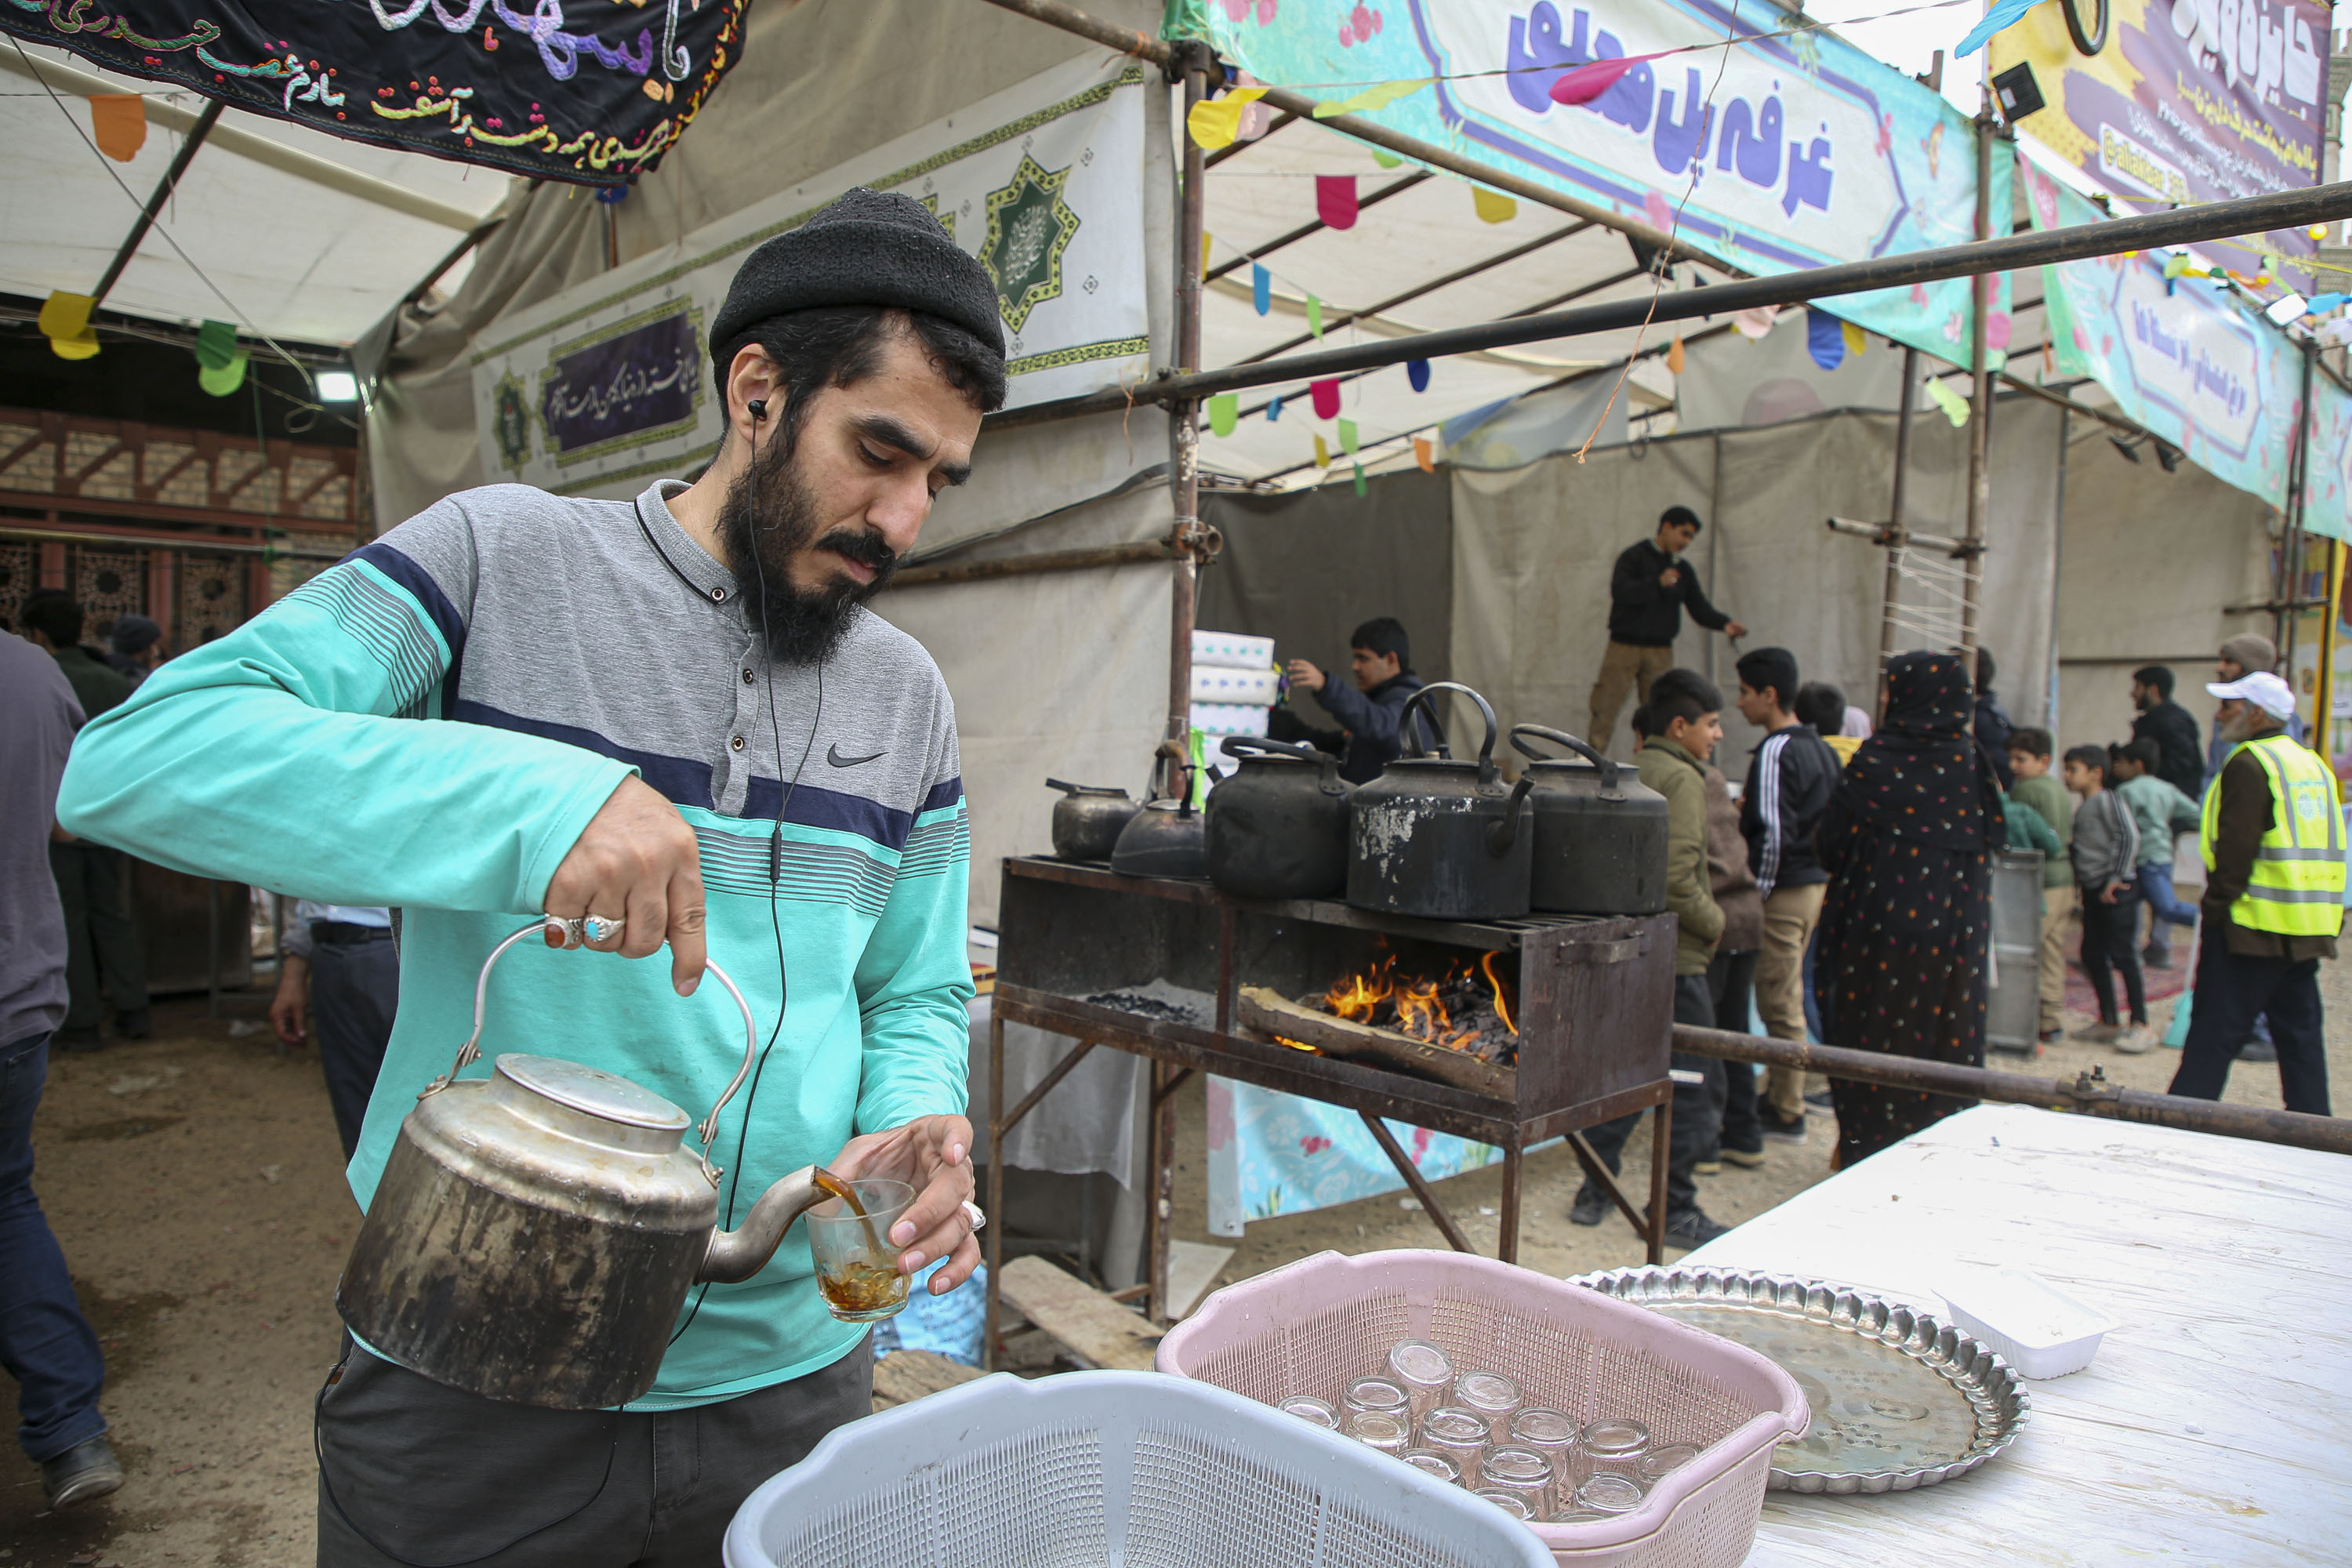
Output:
x=1380 y=660
x=1648 y=591
x=1992 y=726
x=1790 y=777
x=2181 y=756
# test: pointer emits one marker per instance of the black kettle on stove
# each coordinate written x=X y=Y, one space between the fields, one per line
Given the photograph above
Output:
x=1440 y=838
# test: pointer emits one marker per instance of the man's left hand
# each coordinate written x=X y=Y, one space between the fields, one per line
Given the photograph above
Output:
x=931 y=1154
x=1305 y=676
x=1735 y=629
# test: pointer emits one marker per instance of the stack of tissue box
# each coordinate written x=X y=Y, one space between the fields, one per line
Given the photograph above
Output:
x=1235 y=686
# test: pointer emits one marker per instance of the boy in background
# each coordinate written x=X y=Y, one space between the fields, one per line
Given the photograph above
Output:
x=2160 y=810
x=1822 y=706
x=2029 y=761
x=2107 y=857
x=1731 y=976
x=1684 y=721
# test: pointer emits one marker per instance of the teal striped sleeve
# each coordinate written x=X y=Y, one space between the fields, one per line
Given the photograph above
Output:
x=299 y=754
x=914 y=979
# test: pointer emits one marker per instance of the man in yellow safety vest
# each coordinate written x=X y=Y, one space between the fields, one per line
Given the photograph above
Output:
x=2273 y=836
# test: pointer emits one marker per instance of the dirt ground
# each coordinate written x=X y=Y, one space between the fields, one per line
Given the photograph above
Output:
x=195 y=1185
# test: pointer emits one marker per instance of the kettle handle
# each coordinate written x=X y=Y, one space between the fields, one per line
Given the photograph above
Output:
x=1561 y=737
x=1486 y=769
x=561 y=932
x=1328 y=783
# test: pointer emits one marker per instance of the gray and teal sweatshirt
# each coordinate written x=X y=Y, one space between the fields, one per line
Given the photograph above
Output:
x=430 y=724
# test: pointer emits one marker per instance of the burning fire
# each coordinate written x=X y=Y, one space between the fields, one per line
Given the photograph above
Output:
x=1418 y=1004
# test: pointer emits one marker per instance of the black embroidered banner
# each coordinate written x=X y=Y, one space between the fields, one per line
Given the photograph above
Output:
x=588 y=90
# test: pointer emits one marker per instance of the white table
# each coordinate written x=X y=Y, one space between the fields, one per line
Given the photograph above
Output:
x=2215 y=1426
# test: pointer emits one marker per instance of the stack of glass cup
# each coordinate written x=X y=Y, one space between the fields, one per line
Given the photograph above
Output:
x=1475 y=1427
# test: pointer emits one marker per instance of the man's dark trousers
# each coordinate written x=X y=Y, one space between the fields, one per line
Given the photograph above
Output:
x=1693 y=1133
x=46 y=1343
x=2232 y=990
x=354 y=991
x=413 y=1472
x=103 y=957
x=1732 y=979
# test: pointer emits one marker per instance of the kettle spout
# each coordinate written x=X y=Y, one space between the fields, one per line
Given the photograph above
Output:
x=736 y=1255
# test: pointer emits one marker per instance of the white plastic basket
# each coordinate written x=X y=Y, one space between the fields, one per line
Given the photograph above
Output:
x=1110 y=1470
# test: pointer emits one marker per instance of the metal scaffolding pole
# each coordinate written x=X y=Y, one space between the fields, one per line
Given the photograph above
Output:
x=1904 y=410
x=1185 y=439
x=1980 y=420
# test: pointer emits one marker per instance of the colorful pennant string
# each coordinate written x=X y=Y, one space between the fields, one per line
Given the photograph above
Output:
x=1326 y=393
x=1216 y=122
x=1322 y=454
x=1416 y=370
x=1274 y=411
x=1225 y=411
x=1675 y=354
x=1315 y=318
x=1424 y=456
x=1378 y=96
x=1493 y=207
x=1261 y=288
x=1347 y=436
x=1335 y=200
x=1954 y=406
x=118 y=120
x=65 y=321
x=1855 y=338
x=1586 y=82
x=1359 y=478
x=1824 y=340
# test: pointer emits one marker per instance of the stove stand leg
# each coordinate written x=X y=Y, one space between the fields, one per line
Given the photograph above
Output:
x=1507 y=1243
x=994 y=1233
x=1429 y=1204
x=1660 y=1138
x=1161 y=1210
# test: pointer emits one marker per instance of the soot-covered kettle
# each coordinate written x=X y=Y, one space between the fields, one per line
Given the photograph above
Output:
x=535 y=1233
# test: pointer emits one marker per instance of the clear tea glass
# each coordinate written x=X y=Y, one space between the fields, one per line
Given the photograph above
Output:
x=1464 y=1434
x=1383 y=1393
x=1509 y=1502
x=1551 y=1432
x=1445 y=1466
x=1387 y=1430
x=1522 y=1472
x=1493 y=1395
x=856 y=1267
x=1424 y=1370
x=1608 y=1493
x=1616 y=1444
x=1308 y=1409
x=1660 y=1463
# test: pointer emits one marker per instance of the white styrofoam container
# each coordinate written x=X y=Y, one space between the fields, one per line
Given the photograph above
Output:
x=1233 y=650
x=1217 y=683
x=2030 y=1324
x=1095 y=1470
x=1218 y=719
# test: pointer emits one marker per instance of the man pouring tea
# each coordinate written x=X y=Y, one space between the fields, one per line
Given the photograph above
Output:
x=673 y=720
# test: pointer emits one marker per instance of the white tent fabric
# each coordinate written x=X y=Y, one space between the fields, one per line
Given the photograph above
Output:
x=1533 y=548
x=303 y=235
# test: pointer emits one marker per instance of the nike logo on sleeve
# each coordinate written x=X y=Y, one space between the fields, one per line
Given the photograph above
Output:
x=833 y=754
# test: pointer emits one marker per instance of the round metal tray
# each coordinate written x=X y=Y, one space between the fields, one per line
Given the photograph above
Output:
x=1900 y=1398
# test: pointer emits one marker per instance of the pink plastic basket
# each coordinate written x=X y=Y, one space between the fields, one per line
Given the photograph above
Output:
x=1310 y=1326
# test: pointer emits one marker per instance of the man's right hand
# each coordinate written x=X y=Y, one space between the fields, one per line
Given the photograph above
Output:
x=1670 y=576
x=637 y=863
x=289 y=1010
x=1305 y=676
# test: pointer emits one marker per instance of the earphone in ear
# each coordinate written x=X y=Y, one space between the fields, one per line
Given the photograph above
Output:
x=759 y=408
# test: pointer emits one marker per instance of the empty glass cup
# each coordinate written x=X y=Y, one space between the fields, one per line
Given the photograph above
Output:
x=1615 y=1445
x=1309 y=1409
x=1387 y=1430
x=1509 y=1502
x=856 y=1267
x=1522 y=1472
x=1493 y=1395
x=1660 y=1462
x=1551 y=1432
x=1424 y=1371
x=1378 y=1393
x=1608 y=1493
x=1465 y=1434
x=1442 y=1466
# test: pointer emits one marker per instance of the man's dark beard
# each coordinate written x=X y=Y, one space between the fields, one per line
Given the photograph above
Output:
x=763 y=538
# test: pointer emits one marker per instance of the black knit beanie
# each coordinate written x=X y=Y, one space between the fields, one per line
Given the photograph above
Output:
x=870 y=247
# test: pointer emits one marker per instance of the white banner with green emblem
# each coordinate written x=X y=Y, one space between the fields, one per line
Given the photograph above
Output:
x=604 y=386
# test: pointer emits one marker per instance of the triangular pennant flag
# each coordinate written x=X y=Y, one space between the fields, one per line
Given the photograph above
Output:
x=216 y=345
x=1754 y=323
x=1386 y=160
x=1223 y=410
x=1215 y=122
x=223 y=380
x=2003 y=14
x=1314 y=316
x=1416 y=370
x=1322 y=454
x=1359 y=478
x=1825 y=339
x=1335 y=200
x=1587 y=82
x=81 y=345
x=1954 y=406
x=1493 y=207
x=1206 y=237
x=1674 y=355
x=1424 y=456
x=1261 y=288
x=2176 y=265
x=1347 y=436
x=1274 y=411
x=1379 y=96
x=65 y=321
x=1327 y=397
x=1855 y=340
x=119 y=122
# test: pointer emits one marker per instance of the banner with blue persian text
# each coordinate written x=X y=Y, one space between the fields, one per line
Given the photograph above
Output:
x=2327 y=497
x=1773 y=153
x=606 y=385
x=2190 y=359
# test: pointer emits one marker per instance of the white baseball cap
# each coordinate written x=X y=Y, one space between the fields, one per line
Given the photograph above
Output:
x=2263 y=689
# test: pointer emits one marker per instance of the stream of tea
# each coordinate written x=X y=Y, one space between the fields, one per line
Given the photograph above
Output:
x=858 y=1286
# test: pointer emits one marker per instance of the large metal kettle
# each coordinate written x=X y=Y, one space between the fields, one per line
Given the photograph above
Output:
x=1438 y=838
x=1600 y=831
x=1087 y=819
x=534 y=1233
x=1278 y=827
